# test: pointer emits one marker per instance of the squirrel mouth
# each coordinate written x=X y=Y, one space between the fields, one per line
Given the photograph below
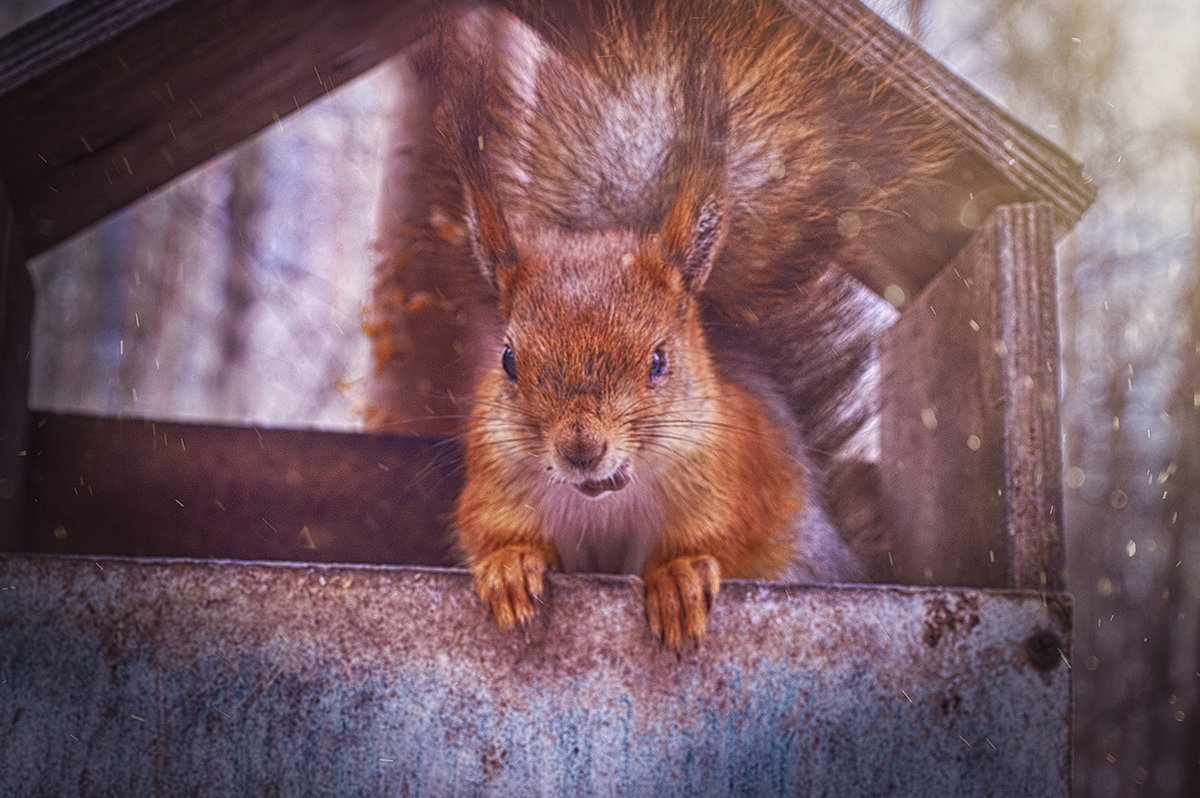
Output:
x=597 y=487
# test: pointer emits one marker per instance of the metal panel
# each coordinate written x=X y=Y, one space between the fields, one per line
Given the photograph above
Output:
x=122 y=676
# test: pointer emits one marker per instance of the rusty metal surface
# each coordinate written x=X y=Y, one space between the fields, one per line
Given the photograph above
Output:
x=142 y=677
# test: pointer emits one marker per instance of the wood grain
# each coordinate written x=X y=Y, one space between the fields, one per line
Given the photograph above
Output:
x=107 y=486
x=105 y=102
x=16 y=308
x=970 y=430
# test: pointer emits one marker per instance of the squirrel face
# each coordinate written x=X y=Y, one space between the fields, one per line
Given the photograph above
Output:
x=601 y=359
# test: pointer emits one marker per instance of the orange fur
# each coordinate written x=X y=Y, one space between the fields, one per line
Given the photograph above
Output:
x=651 y=189
x=708 y=482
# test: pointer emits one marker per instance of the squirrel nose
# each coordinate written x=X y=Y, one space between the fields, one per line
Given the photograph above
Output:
x=582 y=449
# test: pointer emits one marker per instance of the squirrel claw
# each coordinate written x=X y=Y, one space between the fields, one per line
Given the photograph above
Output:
x=679 y=595
x=508 y=581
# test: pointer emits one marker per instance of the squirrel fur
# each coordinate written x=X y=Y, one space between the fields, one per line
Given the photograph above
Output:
x=657 y=195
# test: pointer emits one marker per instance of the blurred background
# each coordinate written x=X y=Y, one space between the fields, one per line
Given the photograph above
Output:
x=235 y=295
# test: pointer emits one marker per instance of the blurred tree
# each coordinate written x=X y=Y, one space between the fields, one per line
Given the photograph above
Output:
x=233 y=294
x=239 y=294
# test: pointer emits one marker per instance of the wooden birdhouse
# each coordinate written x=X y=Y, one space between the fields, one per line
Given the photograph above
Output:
x=172 y=643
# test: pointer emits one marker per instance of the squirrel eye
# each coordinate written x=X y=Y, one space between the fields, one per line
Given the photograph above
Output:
x=658 y=364
x=509 y=362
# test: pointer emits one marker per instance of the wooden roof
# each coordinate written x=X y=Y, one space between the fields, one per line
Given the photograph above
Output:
x=103 y=102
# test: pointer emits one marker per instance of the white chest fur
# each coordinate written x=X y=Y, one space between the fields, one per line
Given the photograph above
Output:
x=612 y=533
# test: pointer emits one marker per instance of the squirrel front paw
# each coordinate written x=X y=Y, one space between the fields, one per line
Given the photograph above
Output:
x=679 y=595
x=508 y=581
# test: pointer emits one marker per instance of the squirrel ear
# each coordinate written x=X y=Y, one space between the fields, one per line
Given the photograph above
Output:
x=692 y=237
x=694 y=227
x=491 y=244
x=467 y=106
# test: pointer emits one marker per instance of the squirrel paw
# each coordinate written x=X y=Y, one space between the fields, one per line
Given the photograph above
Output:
x=508 y=581
x=679 y=595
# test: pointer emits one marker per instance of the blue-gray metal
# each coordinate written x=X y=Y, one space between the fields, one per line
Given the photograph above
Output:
x=179 y=677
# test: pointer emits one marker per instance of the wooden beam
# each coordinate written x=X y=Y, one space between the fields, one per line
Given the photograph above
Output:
x=105 y=102
x=111 y=100
x=970 y=432
x=16 y=317
x=104 y=486
x=1039 y=170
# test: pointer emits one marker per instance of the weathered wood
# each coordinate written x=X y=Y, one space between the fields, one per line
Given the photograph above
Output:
x=970 y=430
x=16 y=317
x=1036 y=168
x=123 y=677
x=427 y=319
x=103 y=486
x=1028 y=298
x=105 y=102
x=105 y=109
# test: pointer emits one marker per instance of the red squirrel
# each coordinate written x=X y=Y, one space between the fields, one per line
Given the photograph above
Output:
x=647 y=187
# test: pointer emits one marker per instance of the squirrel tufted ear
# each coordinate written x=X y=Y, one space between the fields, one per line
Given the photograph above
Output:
x=470 y=105
x=694 y=227
x=692 y=237
x=491 y=244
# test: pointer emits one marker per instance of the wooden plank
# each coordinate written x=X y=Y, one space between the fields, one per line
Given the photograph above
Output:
x=105 y=102
x=103 y=486
x=1027 y=289
x=118 y=677
x=52 y=39
x=110 y=100
x=970 y=430
x=1038 y=169
x=16 y=318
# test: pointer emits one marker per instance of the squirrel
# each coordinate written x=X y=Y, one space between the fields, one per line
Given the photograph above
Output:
x=655 y=193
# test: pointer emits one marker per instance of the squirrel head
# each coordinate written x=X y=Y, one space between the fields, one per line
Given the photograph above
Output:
x=603 y=371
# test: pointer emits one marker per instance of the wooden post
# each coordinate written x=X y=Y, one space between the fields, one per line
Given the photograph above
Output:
x=429 y=316
x=970 y=436
x=16 y=316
